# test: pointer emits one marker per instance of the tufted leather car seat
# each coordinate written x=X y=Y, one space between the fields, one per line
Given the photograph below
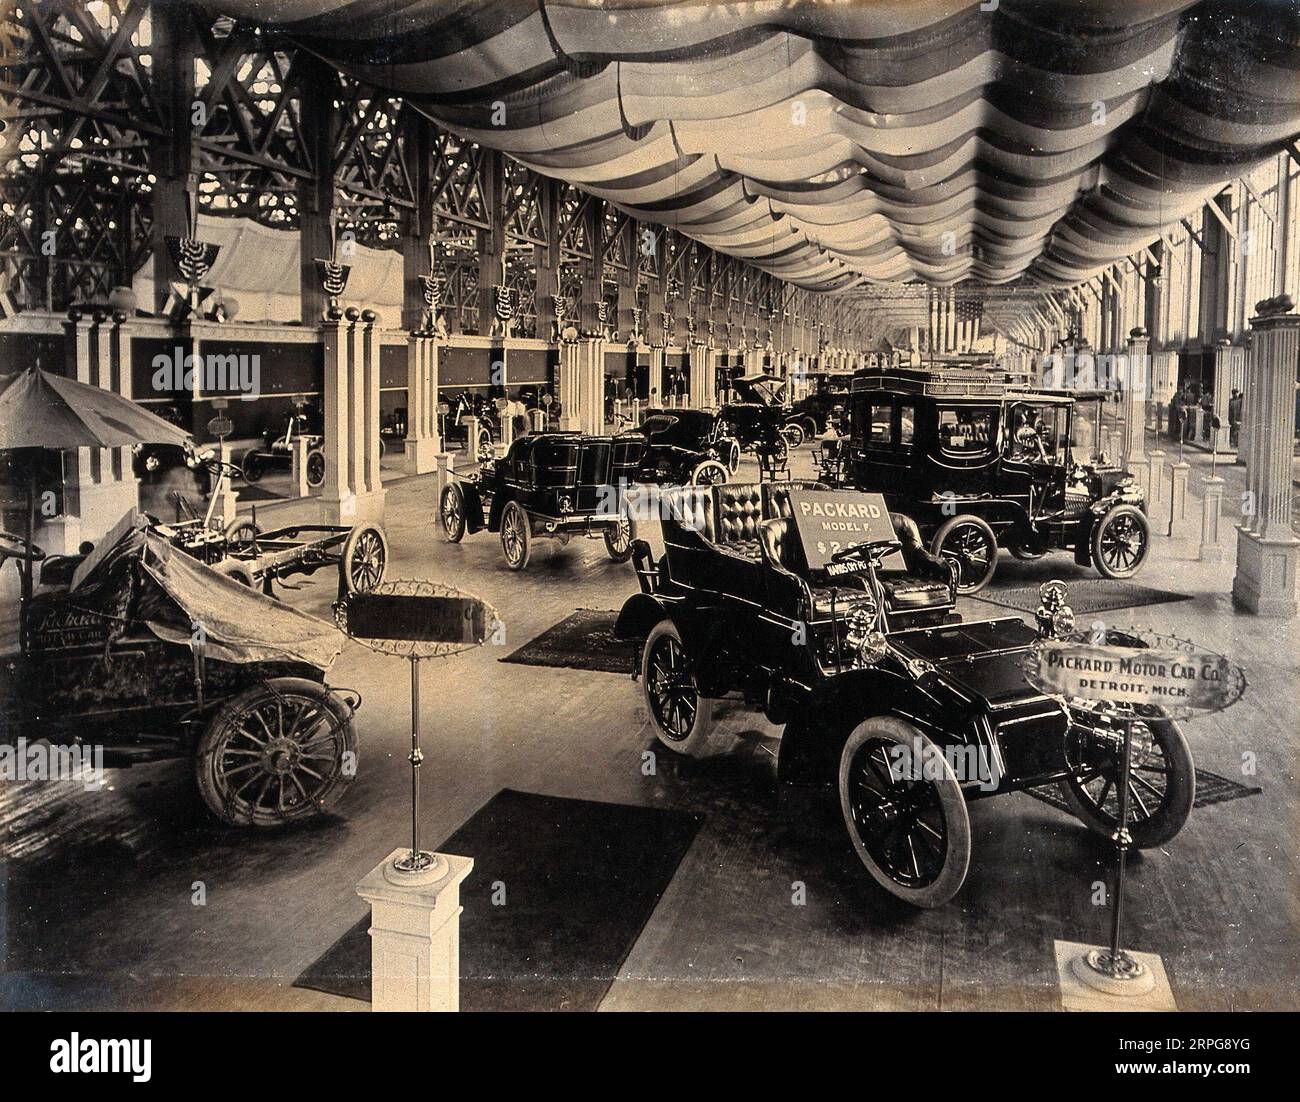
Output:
x=927 y=581
x=739 y=512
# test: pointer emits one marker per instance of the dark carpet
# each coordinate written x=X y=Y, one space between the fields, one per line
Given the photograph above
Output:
x=580 y=880
x=1211 y=789
x=583 y=640
x=1091 y=595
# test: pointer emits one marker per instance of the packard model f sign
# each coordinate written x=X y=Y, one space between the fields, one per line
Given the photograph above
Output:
x=1169 y=674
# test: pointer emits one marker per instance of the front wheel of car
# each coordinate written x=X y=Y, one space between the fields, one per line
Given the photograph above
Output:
x=733 y=456
x=282 y=751
x=709 y=473
x=251 y=464
x=1162 y=780
x=1120 y=542
x=315 y=469
x=793 y=433
x=904 y=811
x=365 y=558
x=516 y=535
x=682 y=719
x=451 y=510
x=968 y=542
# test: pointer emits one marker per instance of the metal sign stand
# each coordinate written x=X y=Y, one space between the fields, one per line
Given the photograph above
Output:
x=418 y=864
x=1114 y=970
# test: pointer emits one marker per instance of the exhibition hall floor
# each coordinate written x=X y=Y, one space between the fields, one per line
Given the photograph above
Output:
x=98 y=889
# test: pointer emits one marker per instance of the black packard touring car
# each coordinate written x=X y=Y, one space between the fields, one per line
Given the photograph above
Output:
x=979 y=463
x=827 y=613
x=686 y=446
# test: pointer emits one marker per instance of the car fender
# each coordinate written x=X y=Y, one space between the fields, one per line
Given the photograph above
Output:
x=810 y=747
x=473 y=505
x=638 y=616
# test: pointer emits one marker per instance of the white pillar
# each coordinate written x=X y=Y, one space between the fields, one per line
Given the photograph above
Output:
x=422 y=439
x=1224 y=381
x=353 y=490
x=1133 y=398
x=1211 y=549
x=1178 y=516
x=415 y=937
x=566 y=384
x=446 y=468
x=1267 y=549
x=298 y=467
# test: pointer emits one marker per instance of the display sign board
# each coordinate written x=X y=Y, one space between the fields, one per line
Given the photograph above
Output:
x=830 y=522
x=1179 y=681
x=416 y=619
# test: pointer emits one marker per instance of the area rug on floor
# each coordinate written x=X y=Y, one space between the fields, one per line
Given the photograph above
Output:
x=1091 y=595
x=580 y=879
x=1210 y=789
x=583 y=640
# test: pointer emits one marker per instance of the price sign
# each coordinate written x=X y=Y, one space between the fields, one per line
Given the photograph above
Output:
x=829 y=523
x=221 y=427
x=455 y=620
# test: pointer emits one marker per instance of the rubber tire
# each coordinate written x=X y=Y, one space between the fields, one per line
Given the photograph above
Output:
x=952 y=802
x=940 y=536
x=711 y=466
x=733 y=457
x=1100 y=527
x=615 y=553
x=236 y=571
x=238 y=525
x=456 y=532
x=526 y=534
x=701 y=741
x=1180 y=794
x=315 y=473
x=349 y=551
x=204 y=753
x=1019 y=551
x=794 y=434
x=251 y=464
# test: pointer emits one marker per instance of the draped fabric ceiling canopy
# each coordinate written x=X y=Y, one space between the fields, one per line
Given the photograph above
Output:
x=843 y=143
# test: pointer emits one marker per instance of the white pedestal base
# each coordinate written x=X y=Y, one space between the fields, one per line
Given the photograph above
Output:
x=1212 y=549
x=415 y=935
x=1150 y=993
x=421 y=455
x=1266 y=575
x=354 y=509
x=1178 y=500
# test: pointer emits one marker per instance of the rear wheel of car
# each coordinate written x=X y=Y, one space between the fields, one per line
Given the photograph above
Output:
x=451 y=510
x=484 y=442
x=618 y=538
x=315 y=469
x=907 y=819
x=682 y=719
x=970 y=543
x=1025 y=551
x=709 y=473
x=733 y=456
x=810 y=430
x=1120 y=542
x=236 y=571
x=1162 y=780
x=251 y=464
x=281 y=751
x=793 y=433
x=365 y=558
x=516 y=535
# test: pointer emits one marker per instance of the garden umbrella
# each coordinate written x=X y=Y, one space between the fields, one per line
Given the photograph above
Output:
x=40 y=410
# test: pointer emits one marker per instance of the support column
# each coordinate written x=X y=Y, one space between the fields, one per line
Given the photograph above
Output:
x=658 y=395
x=1211 y=549
x=415 y=938
x=422 y=440
x=567 y=384
x=352 y=491
x=1137 y=388
x=1223 y=384
x=1267 y=550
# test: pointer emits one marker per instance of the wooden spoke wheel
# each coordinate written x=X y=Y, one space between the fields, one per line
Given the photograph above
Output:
x=1162 y=779
x=315 y=469
x=1120 y=542
x=365 y=558
x=516 y=535
x=682 y=719
x=281 y=751
x=907 y=819
x=709 y=473
x=968 y=542
x=451 y=511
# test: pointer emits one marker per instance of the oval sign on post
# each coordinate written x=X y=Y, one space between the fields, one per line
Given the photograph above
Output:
x=416 y=619
x=221 y=427
x=1180 y=680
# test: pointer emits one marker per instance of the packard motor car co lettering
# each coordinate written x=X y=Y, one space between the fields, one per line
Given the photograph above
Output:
x=1142 y=676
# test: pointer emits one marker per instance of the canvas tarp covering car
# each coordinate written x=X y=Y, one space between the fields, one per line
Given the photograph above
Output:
x=141 y=579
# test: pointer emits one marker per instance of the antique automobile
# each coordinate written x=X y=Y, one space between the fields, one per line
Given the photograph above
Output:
x=276 y=449
x=757 y=417
x=686 y=446
x=147 y=652
x=981 y=464
x=549 y=485
x=824 y=409
x=241 y=550
x=825 y=612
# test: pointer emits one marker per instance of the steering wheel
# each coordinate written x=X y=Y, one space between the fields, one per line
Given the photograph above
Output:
x=15 y=547
x=873 y=551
